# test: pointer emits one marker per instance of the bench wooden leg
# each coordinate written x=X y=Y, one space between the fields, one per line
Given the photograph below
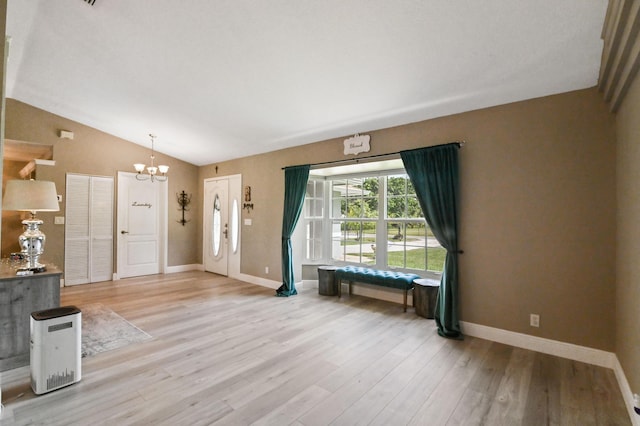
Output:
x=405 y=299
x=339 y=288
x=350 y=282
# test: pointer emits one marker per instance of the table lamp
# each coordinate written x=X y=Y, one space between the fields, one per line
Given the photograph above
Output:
x=31 y=196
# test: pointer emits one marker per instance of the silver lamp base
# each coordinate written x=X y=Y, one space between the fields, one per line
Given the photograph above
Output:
x=32 y=244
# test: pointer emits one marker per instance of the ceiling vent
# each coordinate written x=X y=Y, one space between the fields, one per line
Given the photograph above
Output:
x=91 y=2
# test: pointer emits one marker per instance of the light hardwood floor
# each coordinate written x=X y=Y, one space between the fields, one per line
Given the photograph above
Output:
x=228 y=352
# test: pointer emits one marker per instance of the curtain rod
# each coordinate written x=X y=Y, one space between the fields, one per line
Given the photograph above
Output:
x=390 y=154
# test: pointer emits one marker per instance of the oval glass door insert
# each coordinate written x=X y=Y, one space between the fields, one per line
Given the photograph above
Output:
x=235 y=218
x=216 y=226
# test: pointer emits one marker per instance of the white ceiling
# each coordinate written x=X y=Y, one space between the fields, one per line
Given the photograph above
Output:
x=222 y=79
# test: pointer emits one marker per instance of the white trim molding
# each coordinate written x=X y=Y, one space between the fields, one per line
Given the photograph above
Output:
x=626 y=391
x=259 y=281
x=565 y=350
x=184 y=268
x=539 y=344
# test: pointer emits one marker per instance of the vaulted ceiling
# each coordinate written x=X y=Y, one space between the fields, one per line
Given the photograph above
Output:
x=221 y=79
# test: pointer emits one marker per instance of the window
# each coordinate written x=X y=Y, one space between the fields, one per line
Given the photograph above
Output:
x=354 y=203
x=235 y=218
x=313 y=219
x=372 y=220
x=410 y=242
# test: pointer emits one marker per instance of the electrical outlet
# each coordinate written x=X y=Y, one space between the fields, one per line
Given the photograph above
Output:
x=534 y=320
x=266 y=269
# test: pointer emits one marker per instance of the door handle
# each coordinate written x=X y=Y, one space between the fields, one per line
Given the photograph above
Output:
x=226 y=230
x=124 y=232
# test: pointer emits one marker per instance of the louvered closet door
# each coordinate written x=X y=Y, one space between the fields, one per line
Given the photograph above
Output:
x=88 y=229
x=101 y=227
x=76 y=241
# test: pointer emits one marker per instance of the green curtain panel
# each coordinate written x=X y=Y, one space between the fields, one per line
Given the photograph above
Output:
x=434 y=174
x=295 y=188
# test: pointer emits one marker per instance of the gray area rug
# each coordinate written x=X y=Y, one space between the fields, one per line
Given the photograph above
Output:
x=104 y=330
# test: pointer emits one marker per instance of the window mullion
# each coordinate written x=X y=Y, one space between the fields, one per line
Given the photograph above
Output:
x=327 y=226
x=381 y=231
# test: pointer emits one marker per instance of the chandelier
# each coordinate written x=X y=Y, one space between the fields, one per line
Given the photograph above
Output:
x=152 y=170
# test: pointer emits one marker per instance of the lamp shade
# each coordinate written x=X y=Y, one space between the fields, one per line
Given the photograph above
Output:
x=30 y=195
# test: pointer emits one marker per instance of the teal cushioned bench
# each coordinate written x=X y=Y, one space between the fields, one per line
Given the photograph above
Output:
x=391 y=279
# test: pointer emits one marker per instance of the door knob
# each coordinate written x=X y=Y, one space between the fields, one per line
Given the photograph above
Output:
x=124 y=232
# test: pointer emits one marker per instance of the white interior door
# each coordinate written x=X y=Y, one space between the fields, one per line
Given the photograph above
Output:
x=141 y=226
x=216 y=225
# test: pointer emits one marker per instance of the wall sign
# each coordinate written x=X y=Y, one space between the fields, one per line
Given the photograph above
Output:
x=137 y=204
x=357 y=144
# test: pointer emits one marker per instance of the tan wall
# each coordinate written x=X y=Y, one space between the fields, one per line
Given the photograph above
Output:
x=97 y=153
x=537 y=211
x=11 y=220
x=628 y=244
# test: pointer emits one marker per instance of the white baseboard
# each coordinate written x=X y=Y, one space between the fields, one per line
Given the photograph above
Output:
x=539 y=344
x=259 y=281
x=565 y=350
x=627 y=393
x=184 y=268
x=173 y=269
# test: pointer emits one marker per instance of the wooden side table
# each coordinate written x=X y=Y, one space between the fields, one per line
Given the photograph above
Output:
x=425 y=296
x=19 y=296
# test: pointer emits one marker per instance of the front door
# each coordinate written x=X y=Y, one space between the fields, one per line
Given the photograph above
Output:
x=141 y=226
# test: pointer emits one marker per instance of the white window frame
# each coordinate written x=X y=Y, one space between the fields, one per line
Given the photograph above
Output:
x=381 y=258
x=311 y=221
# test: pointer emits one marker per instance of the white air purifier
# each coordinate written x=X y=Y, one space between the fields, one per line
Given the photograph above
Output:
x=56 y=345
